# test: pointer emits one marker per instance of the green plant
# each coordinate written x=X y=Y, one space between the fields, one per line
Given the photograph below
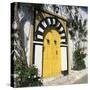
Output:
x=26 y=76
x=79 y=62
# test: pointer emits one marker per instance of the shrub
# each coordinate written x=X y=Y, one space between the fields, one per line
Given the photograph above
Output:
x=26 y=76
x=79 y=62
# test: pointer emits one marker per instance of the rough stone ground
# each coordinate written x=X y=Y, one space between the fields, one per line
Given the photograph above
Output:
x=83 y=80
x=73 y=77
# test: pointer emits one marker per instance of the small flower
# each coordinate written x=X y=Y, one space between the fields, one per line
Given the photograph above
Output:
x=19 y=79
x=34 y=76
x=19 y=72
x=28 y=76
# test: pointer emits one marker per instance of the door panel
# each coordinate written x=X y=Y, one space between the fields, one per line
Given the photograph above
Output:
x=51 y=54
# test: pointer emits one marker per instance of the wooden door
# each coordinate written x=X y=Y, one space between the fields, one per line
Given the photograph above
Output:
x=51 y=54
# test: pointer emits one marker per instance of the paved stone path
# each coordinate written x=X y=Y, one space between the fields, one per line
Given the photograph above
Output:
x=83 y=80
x=69 y=79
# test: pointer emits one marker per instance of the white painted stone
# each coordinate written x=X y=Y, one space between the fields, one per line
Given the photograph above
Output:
x=37 y=42
x=49 y=21
x=58 y=24
x=40 y=36
x=44 y=24
x=63 y=34
x=63 y=40
x=64 y=58
x=38 y=58
x=53 y=21
x=40 y=29
x=70 y=48
x=61 y=29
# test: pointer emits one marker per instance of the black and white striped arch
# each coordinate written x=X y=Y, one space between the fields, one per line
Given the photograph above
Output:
x=47 y=23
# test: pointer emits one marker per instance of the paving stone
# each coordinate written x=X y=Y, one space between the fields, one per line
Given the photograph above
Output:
x=66 y=80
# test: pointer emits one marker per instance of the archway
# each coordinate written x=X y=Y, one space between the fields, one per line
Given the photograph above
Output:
x=48 y=27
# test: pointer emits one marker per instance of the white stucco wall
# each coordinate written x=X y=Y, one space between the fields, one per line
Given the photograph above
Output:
x=70 y=51
x=38 y=58
x=64 y=58
x=27 y=39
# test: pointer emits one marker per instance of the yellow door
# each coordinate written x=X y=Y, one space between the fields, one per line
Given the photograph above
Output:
x=51 y=54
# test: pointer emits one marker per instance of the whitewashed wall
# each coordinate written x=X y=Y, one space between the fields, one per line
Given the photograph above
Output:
x=70 y=51
x=38 y=58
x=27 y=40
x=64 y=58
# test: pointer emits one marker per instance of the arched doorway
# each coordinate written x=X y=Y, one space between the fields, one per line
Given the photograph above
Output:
x=51 y=54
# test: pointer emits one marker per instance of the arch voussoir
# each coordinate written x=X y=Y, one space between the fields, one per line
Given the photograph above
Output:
x=47 y=23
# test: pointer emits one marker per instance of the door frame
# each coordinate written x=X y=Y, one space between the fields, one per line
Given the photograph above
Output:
x=35 y=33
